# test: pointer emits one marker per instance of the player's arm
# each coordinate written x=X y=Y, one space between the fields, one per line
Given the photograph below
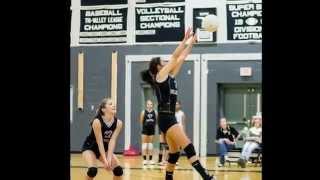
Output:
x=141 y=117
x=183 y=56
x=174 y=61
x=96 y=125
x=176 y=53
x=112 y=142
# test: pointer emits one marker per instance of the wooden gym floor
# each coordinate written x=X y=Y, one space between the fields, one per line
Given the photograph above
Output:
x=133 y=170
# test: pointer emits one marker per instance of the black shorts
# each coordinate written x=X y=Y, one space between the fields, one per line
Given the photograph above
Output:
x=93 y=146
x=149 y=131
x=166 y=120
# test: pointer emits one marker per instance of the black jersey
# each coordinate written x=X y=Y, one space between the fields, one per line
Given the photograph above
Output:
x=149 y=119
x=167 y=93
x=107 y=129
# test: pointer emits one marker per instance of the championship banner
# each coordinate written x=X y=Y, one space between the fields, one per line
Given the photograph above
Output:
x=198 y=15
x=102 y=2
x=160 y=23
x=103 y=25
x=157 y=1
x=244 y=20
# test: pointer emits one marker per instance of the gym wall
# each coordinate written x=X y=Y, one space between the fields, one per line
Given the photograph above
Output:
x=97 y=84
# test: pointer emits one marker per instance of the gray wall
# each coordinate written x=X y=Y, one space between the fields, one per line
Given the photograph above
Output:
x=97 y=83
x=224 y=72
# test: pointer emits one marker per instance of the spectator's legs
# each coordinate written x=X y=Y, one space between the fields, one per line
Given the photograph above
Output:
x=244 y=152
x=222 y=150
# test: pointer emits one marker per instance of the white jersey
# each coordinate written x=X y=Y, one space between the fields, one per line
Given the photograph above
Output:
x=179 y=115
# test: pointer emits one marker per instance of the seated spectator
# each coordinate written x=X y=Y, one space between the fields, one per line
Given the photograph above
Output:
x=226 y=138
x=253 y=141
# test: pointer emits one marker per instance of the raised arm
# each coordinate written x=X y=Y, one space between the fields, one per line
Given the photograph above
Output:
x=183 y=56
x=176 y=57
x=176 y=53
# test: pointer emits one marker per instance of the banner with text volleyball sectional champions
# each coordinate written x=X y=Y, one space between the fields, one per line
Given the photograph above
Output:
x=160 y=22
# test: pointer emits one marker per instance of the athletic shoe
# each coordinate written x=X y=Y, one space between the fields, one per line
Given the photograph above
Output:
x=151 y=162
x=145 y=162
x=163 y=163
x=242 y=163
x=210 y=178
x=220 y=165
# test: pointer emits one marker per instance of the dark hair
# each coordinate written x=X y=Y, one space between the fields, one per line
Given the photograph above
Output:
x=149 y=75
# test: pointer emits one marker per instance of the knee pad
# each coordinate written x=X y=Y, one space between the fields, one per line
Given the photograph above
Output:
x=150 y=146
x=166 y=146
x=173 y=157
x=117 y=171
x=92 y=171
x=189 y=150
x=144 y=146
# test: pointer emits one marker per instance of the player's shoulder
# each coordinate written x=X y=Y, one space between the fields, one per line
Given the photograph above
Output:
x=96 y=122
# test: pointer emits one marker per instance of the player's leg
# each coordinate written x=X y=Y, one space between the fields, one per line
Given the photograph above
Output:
x=144 y=148
x=117 y=170
x=161 y=147
x=174 y=154
x=90 y=159
x=150 y=149
x=179 y=137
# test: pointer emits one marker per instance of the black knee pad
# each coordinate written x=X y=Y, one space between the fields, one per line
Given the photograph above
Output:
x=166 y=146
x=173 y=157
x=92 y=171
x=117 y=171
x=190 y=150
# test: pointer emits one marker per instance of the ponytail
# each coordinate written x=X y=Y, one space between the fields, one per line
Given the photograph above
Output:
x=149 y=75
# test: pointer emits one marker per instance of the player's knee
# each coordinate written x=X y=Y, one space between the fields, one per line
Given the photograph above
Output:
x=92 y=171
x=189 y=149
x=144 y=146
x=150 y=146
x=173 y=157
x=118 y=171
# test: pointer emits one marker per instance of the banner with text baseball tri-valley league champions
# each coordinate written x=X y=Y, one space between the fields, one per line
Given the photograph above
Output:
x=103 y=24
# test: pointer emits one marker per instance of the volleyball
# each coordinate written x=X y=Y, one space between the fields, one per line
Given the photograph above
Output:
x=210 y=23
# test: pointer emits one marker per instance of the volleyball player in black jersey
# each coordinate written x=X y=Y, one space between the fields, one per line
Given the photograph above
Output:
x=100 y=143
x=148 y=122
x=161 y=76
